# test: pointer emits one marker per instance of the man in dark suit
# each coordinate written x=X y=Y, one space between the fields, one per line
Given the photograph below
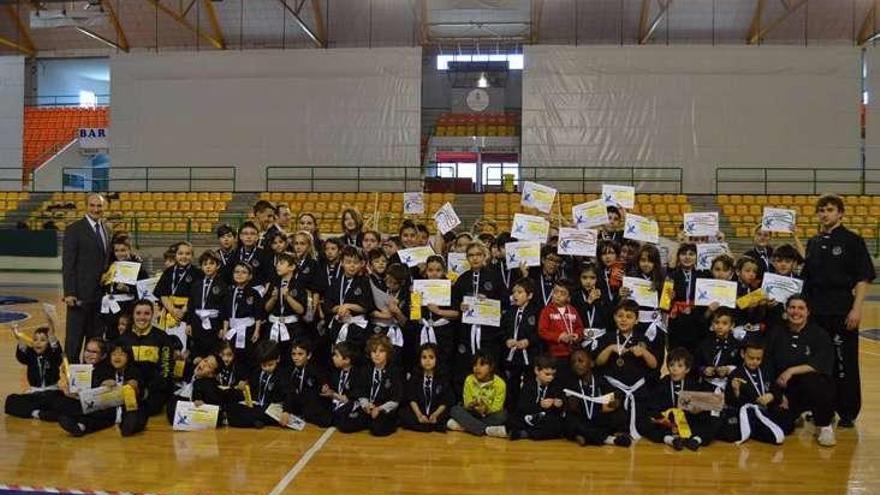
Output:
x=85 y=256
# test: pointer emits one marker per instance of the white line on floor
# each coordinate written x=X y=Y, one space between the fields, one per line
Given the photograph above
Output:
x=301 y=463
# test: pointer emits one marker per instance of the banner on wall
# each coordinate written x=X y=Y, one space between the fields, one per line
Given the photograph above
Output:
x=93 y=138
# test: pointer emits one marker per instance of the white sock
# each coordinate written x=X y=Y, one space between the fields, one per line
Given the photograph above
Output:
x=609 y=440
x=35 y=414
x=698 y=440
x=668 y=439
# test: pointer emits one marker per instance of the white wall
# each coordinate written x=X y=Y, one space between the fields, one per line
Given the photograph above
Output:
x=691 y=107
x=67 y=77
x=11 y=120
x=341 y=107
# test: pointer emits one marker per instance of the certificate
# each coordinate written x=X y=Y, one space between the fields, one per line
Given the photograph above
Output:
x=413 y=256
x=707 y=252
x=100 y=398
x=641 y=229
x=189 y=417
x=482 y=311
x=778 y=220
x=413 y=203
x=79 y=376
x=642 y=291
x=696 y=402
x=515 y=253
x=780 y=288
x=457 y=263
x=577 y=242
x=590 y=214
x=539 y=197
x=446 y=219
x=437 y=292
x=126 y=272
x=294 y=423
x=529 y=228
x=624 y=196
x=145 y=288
x=704 y=224
x=710 y=290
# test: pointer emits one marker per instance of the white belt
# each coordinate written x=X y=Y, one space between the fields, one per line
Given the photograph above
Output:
x=740 y=332
x=279 y=332
x=476 y=335
x=394 y=333
x=185 y=390
x=629 y=401
x=205 y=315
x=428 y=336
x=719 y=383
x=238 y=329
x=655 y=318
x=358 y=321
x=110 y=302
x=745 y=429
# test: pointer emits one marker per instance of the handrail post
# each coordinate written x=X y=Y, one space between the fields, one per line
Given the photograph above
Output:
x=147 y=175
x=190 y=181
x=312 y=173
x=765 y=181
x=358 y=169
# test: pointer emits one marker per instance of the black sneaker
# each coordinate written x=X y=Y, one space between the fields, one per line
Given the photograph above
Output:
x=259 y=425
x=71 y=426
x=677 y=443
x=623 y=440
x=519 y=434
x=845 y=423
x=692 y=444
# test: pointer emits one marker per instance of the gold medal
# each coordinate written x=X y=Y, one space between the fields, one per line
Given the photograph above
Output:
x=620 y=362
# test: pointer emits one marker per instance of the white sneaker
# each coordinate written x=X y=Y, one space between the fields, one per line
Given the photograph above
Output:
x=826 y=437
x=453 y=425
x=496 y=431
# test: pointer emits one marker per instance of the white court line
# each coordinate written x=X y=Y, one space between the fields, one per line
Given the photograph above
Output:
x=301 y=463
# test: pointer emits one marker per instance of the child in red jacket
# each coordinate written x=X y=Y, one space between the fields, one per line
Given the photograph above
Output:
x=560 y=326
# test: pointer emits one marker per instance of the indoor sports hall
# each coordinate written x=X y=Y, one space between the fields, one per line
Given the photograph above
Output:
x=557 y=139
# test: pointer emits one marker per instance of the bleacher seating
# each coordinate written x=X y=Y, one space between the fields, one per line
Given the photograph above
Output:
x=46 y=130
x=744 y=212
x=9 y=201
x=150 y=212
x=665 y=208
x=327 y=207
x=452 y=124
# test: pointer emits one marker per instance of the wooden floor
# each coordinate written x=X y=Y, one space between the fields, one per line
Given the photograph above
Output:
x=314 y=461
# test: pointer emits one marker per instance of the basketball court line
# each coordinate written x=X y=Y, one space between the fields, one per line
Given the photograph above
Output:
x=301 y=463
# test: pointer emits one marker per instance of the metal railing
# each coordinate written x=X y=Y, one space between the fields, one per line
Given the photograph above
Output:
x=343 y=179
x=11 y=179
x=149 y=179
x=590 y=179
x=62 y=101
x=780 y=180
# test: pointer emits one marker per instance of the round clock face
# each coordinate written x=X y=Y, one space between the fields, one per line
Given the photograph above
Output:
x=478 y=100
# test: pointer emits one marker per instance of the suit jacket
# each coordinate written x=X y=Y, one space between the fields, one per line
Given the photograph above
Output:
x=82 y=262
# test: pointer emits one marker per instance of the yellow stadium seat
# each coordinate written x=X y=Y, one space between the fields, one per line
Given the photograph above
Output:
x=735 y=199
x=748 y=199
x=185 y=206
x=786 y=199
x=673 y=209
x=728 y=210
x=755 y=210
x=681 y=199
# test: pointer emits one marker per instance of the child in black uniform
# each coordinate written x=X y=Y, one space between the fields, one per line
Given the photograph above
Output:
x=664 y=422
x=265 y=387
x=286 y=304
x=226 y=250
x=378 y=390
x=538 y=413
x=753 y=401
x=244 y=313
x=437 y=323
x=118 y=297
x=428 y=395
x=204 y=316
x=349 y=301
x=687 y=325
x=305 y=383
x=199 y=385
x=121 y=372
x=627 y=359
x=230 y=370
x=589 y=422
x=42 y=356
x=175 y=286
x=593 y=308
x=393 y=316
x=338 y=390
x=718 y=355
x=520 y=326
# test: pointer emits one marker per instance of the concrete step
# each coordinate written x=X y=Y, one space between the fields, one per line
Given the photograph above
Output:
x=468 y=207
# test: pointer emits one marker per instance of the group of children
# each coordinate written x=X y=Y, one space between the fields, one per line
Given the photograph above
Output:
x=325 y=328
